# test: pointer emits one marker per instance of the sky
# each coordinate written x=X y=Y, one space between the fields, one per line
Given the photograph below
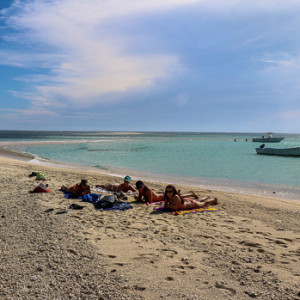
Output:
x=150 y=65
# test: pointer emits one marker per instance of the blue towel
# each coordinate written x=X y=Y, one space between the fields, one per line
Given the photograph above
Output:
x=91 y=198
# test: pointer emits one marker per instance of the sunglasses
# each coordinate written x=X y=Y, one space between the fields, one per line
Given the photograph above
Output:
x=168 y=192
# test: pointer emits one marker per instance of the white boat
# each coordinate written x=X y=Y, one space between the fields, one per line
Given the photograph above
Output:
x=269 y=139
x=281 y=152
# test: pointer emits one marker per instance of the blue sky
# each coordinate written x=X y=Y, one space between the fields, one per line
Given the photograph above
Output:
x=149 y=65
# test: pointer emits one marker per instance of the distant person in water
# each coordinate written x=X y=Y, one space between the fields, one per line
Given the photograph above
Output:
x=175 y=201
x=147 y=194
x=79 y=189
x=123 y=187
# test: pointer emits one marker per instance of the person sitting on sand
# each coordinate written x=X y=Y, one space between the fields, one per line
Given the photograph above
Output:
x=79 y=189
x=123 y=187
x=175 y=201
x=147 y=194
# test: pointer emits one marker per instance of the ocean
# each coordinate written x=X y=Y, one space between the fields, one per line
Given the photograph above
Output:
x=226 y=161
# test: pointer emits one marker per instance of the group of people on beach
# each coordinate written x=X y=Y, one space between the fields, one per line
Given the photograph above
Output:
x=172 y=198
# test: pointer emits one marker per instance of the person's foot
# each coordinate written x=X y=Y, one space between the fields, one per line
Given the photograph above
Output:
x=214 y=201
x=194 y=195
x=204 y=199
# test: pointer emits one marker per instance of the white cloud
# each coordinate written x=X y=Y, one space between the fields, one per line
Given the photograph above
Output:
x=67 y=38
x=83 y=64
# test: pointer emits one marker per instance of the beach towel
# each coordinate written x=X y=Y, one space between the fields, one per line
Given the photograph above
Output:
x=184 y=212
x=100 y=190
x=91 y=198
x=69 y=195
x=107 y=202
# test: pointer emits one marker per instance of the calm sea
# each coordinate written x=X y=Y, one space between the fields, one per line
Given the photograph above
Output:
x=204 y=158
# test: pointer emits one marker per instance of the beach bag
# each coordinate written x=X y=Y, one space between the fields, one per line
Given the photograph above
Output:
x=41 y=176
x=41 y=188
x=107 y=201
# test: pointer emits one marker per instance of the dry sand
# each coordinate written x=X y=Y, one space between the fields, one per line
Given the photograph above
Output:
x=249 y=249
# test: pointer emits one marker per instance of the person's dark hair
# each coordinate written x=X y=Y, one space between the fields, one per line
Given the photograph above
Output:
x=83 y=182
x=175 y=192
x=139 y=184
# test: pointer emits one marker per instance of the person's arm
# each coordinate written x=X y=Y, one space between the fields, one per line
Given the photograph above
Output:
x=131 y=188
x=174 y=203
x=139 y=197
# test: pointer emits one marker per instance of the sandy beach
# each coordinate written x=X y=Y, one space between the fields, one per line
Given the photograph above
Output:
x=249 y=249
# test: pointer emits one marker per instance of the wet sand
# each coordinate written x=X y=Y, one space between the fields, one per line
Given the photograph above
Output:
x=249 y=249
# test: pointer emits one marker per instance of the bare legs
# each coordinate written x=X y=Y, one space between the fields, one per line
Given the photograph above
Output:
x=108 y=187
x=192 y=194
x=209 y=201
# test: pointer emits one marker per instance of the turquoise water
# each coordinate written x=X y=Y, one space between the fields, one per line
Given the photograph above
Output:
x=181 y=154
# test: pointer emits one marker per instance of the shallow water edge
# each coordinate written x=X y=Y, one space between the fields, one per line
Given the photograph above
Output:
x=278 y=191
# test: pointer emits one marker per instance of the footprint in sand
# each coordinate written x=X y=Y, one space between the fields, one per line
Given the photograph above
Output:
x=279 y=242
x=220 y=285
x=263 y=233
x=247 y=230
x=250 y=244
x=147 y=256
x=295 y=253
x=170 y=278
x=229 y=221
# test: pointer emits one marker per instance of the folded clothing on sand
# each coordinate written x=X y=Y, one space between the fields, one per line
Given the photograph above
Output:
x=107 y=202
x=118 y=205
x=76 y=206
x=39 y=175
x=110 y=202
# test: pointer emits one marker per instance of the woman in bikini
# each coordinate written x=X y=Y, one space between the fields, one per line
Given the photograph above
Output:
x=175 y=201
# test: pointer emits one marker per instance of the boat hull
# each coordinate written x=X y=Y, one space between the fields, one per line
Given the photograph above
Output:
x=281 y=152
x=267 y=140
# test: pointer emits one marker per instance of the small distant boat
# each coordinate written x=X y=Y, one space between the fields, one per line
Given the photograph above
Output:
x=269 y=139
x=281 y=152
